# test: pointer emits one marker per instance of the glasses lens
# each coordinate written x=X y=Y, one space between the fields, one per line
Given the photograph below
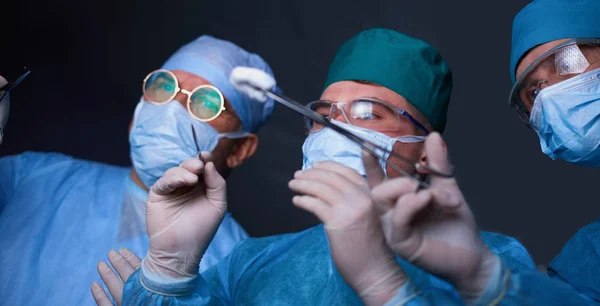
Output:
x=321 y=107
x=376 y=116
x=206 y=103
x=160 y=87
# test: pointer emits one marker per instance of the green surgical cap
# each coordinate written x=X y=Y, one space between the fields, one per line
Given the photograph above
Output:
x=410 y=67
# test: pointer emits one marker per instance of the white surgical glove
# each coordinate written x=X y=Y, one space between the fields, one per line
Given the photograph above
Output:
x=434 y=228
x=245 y=79
x=183 y=212
x=341 y=199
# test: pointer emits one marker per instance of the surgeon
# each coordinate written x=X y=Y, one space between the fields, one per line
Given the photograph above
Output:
x=371 y=91
x=59 y=216
x=555 y=69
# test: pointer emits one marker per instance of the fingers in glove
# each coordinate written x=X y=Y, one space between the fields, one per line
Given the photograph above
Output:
x=173 y=179
x=387 y=193
x=121 y=265
x=100 y=295
x=131 y=258
x=112 y=281
x=437 y=159
x=215 y=183
x=375 y=174
x=193 y=165
x=328 y=178
x=407 y=208
x=205 y=157
x=347 y=173
x=323 y=192
x=445 y=200
x=315 y=206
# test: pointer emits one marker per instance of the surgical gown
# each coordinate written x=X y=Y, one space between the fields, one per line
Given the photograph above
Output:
x=59 y=217
x=578 y=264
x=297 y=269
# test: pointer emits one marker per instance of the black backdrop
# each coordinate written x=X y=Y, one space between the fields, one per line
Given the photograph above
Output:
x=89 y=58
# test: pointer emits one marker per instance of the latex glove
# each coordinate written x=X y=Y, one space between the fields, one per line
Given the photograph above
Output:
x=125 y=262
x=433 y=228
x=183 y=212
x=340 y=198
x=245 y=79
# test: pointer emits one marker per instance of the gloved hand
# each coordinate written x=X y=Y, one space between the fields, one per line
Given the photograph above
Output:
x=433 y=228
x=125 y=262
x=183 y=212
x=244 y=78
x=340 y=198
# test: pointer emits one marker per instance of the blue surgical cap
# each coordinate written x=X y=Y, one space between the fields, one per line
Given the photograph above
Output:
x=214 y=59
x=543 y=21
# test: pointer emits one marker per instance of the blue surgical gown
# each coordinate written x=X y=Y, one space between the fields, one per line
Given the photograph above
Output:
x=297 y=269
x=578 y=264
x=59 y=217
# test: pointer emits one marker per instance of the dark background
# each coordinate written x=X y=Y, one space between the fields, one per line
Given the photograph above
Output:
x=89 y=58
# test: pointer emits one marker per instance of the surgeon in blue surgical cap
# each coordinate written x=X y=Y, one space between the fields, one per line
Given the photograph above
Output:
x=59 y=215
x=555 y=69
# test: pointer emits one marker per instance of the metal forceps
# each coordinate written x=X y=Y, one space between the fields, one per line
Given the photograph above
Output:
x=364 y=143
x=196 y=144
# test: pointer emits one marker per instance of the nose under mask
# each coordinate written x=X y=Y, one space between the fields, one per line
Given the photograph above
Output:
x=329 y=145
x=566 y=119
x=161 y=138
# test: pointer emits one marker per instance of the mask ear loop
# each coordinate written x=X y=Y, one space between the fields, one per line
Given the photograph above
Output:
x=418 y=177
x=365 y=144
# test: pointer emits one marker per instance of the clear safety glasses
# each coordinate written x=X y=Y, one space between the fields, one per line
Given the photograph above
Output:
x=204 y=103
x=366 y=144
x=366 y=113
x=560 y=63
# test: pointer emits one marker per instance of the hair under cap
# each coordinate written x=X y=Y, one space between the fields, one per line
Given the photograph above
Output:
x=408 y=66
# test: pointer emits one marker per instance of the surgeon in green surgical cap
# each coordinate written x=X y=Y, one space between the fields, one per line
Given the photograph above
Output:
x=394 y=90
x=555 y=69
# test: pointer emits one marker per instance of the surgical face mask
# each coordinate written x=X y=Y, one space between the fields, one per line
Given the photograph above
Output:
x=4 y=111
x=161 y=138
x=329 y=145
x=566 y=119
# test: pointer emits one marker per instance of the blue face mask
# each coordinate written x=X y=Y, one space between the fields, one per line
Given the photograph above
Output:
x=566 y=119
x=161 y=138
x=329 y=145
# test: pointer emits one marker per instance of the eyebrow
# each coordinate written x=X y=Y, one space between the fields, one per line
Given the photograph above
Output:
x=527 y=82
x=373 y=98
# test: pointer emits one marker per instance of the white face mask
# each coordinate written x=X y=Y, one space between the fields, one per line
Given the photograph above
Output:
x=329 y=145
x=566 y=117
x=161 y=138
